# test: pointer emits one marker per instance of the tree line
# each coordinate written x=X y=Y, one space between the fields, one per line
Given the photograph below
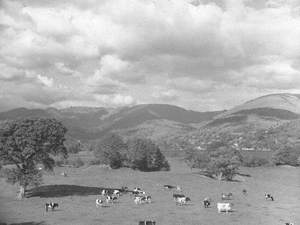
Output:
x=139 y=153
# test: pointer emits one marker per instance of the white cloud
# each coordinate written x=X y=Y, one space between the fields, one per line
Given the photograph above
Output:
x=120 y=52
x=48 y=82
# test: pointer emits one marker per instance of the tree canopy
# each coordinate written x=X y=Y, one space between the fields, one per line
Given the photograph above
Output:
x=111 y=150
x=28 y=142
x=146 y=156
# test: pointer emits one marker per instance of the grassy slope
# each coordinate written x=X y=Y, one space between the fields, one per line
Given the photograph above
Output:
x=283 y=183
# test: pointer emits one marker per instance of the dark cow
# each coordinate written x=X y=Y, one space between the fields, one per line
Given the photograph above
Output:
x=289 y=224
x=166 y=186
x=175 y=196
x=269 y=197
x=206 y=202
x=147 y=222
x=51 y=205
x=244 y=191
x=227 y=196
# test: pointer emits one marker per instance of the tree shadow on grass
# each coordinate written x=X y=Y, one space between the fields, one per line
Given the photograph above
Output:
x=27 y=223
x=61 y=190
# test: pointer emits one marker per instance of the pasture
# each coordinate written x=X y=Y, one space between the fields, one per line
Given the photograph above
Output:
x=76 y=195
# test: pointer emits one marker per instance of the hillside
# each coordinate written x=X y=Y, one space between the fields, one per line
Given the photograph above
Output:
x=283 y=101
x=86 y=123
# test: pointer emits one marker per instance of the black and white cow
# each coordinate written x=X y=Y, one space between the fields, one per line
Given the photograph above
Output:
x=269 y=197
x=111 y=198
x=244 y=191
x=138 y=192
x=226 y=196
x=51 y=205
x=147 y=222
x=99 y=202
x=206 y=202
x=142 y=199
x=289 y=224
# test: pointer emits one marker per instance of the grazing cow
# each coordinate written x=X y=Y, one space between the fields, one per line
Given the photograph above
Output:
x=99 y=202
x=244 y=191
x=111 y=199
x=206 y=202
x=289 y=224
x=269 y=197
x=116 y=192
x=227 y=196
x=147 y=222
x=51 y=205
x=142 y=199
x=104 y=192
x=224 y=207
x=182 y=200
x=138 y=192
x=137 y=200
x=146 y=199
x=175 y=196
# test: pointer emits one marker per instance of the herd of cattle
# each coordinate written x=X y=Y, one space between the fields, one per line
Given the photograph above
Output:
x=110 y=196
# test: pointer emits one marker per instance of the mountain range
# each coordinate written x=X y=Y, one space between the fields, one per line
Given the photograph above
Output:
x=162 y=121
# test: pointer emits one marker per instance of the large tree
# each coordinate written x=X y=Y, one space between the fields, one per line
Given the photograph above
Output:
x=145 y=155
x=111 y=150
x=27 y=143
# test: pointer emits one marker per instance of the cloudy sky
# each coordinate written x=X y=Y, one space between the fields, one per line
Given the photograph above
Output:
x=200 y=54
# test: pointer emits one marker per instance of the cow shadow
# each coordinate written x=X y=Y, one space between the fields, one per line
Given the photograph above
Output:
x=62 y=190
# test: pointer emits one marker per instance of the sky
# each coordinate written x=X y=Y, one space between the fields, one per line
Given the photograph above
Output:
x=198 y=54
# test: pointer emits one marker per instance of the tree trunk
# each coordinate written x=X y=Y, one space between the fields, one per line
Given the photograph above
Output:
x=21 y=193
x=220 y=176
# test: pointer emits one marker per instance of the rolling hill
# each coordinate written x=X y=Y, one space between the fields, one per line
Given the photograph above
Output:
x=86 y=123
x=272 y=109
x=171 y=126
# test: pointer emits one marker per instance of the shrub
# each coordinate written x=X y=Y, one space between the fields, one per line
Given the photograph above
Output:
x=222 y=168
x=222 y=162
x=74 y=148
x=286 y=156
x=78 y=162
x=144 y=155
x=95 y=162
x=254 y=161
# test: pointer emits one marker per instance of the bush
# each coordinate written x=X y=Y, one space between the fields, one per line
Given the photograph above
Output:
x=254 y=161
x=144 y=155
x=78 y=162
x=74 y=148
x=94 y=162
x=287 y=156
x=222 y=162
x=222 y=168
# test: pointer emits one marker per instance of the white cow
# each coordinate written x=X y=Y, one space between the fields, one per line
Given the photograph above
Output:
x=182 y=200
x=224 y=207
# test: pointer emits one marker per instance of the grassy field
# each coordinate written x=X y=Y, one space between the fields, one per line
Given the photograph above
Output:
x=77 y=203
